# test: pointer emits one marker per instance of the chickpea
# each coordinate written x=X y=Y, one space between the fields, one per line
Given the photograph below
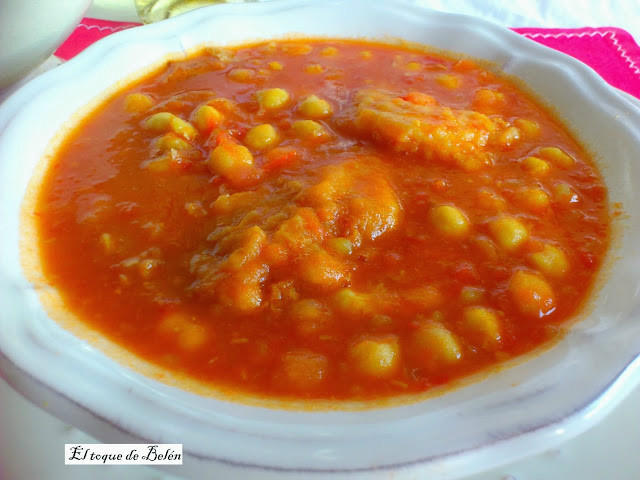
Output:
x=314 y=107
x=426 y=297
x=158 y=165
x=341 y=246
x=261 y=137
x=376 y=357
x=171 y=141
x=309 y=129
x=226 y=203
x=192 y=337
x=433 y=342
x=297 y=48
x=488 y=99
x=310 y=317
x=159 y=122
x=450 y=221
x=321 y=270
x=247 y=298
x=508 y=232
x=529 y=128
x=173 y=322
x=350 y=303
x=189 y=334
x=223 y=105
x=164 y=121
x=183 y=128
x=557 y=156
x=536 y=166
x=314 y=68
x=483 y=322
x=449 y=81
x=534 y=199
x=551 y=261
x=490 y=200
x=273 y=98
x=228 y=156
x=242 y=291
x=419 y=98
x=464 y=65
x=564 y=194
x=509 y=137
x=138 y=103
x=206 y=118
x=486 y=248
x=471 y=295
x=329 y=51
x=304 y=369
x=242 y=75
x=532 y=294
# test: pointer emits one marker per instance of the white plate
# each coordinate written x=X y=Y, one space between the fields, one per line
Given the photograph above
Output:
x=509 y=415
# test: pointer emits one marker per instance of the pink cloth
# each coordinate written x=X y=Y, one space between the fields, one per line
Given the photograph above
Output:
x=610 y=51
x=89 y=31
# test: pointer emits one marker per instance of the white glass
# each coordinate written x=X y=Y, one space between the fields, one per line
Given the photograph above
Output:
x=151 y=11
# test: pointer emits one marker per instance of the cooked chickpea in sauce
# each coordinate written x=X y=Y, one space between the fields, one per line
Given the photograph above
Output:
x=325 y=219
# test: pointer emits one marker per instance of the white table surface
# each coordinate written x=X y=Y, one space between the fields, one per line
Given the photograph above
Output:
x=32 y=441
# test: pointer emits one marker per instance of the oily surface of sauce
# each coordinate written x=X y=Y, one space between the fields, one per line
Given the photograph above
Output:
x=323 y=219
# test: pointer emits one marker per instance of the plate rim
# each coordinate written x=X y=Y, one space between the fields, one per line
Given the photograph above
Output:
x=36 y=87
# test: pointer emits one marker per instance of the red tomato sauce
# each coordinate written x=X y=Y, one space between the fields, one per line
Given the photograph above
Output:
x=323 y=219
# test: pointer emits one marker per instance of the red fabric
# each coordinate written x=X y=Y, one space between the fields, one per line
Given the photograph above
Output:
x=610 y=51
x=89 y=31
